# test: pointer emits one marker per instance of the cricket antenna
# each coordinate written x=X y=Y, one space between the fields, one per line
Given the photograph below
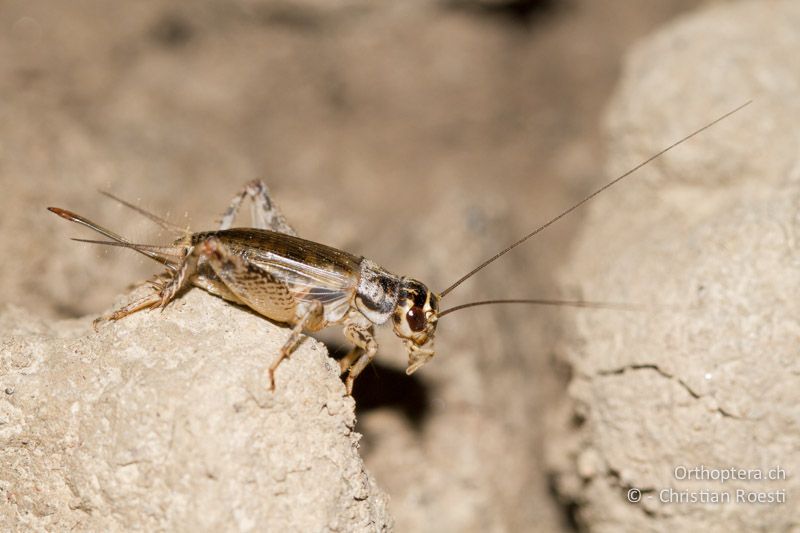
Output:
x=530 y=301
x=587 y=198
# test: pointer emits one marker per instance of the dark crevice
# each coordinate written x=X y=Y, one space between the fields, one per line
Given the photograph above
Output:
x=383 y=387
x=570 y=508
x=520 y=12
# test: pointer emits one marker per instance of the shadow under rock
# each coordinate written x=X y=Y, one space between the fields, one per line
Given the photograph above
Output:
x=380 y=386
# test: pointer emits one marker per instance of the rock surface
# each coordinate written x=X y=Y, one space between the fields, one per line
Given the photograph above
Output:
x=706 y=239
x=424 y=135
x=163 y=422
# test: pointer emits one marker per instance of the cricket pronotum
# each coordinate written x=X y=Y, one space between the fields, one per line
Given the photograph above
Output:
x=308 y=285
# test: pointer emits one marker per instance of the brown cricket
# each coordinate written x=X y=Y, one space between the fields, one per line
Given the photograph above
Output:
x=308 y=285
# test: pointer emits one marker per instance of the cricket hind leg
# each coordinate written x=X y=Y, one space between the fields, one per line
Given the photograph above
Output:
x=248 y=282
x=146 y=302
x=264 y=213
x=262 y=292
x=165 y=287
x=207 y=280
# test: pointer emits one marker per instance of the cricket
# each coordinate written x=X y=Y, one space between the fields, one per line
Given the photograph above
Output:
x=310 y=286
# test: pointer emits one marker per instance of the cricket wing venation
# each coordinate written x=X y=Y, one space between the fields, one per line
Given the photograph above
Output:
x=307 y=283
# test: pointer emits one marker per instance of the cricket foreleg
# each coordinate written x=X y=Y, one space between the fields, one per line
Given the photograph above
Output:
x=264 y=213
x=347 y=361
x=363 y=336
x=312 y=315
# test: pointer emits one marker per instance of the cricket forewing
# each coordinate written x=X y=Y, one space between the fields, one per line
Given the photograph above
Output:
x=273 y=273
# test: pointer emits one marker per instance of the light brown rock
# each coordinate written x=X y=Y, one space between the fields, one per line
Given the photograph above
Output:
x=163 y=421
x=706 y=239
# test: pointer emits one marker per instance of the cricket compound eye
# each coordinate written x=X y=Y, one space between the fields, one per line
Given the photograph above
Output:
x=416 y=319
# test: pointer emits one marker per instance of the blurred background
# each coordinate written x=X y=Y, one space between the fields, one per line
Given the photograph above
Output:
x=424 y=134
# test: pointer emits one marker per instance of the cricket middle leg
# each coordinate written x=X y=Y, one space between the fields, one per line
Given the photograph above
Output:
x=264 y=213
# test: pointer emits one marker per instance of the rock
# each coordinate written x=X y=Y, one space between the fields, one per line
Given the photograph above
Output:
x=424 y=135
x=708 y=377
x=163 y=421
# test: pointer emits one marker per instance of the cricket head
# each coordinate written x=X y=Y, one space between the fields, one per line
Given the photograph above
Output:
x=414 y=321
